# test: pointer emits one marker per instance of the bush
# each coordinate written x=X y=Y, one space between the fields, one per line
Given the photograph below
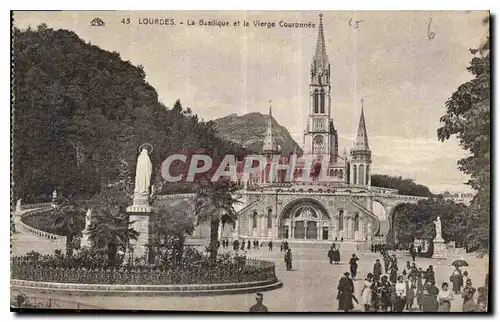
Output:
x=89 y=267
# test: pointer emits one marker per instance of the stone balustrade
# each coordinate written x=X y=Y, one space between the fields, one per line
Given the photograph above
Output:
x=36 y=206
x=37 y=209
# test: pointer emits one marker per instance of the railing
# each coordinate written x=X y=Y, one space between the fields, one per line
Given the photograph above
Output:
x=20 y=301
x=176 y=196
x=36 y=205
x=38 y=208
x=39 y=232
x=240 y=271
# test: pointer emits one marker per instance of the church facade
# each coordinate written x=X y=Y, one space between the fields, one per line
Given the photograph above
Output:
x=316 y=210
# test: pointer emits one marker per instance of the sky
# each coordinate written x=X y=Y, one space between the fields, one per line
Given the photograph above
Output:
x=404 y=64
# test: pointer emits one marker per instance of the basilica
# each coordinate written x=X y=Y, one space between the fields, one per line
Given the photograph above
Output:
x=316 y=210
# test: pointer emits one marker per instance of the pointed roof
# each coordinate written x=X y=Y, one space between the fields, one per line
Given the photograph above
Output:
x=269 y=141
x=320 y=59
x=361 y=142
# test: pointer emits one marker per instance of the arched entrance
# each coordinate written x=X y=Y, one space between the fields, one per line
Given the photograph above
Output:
x=304 y=219
x=392 y=235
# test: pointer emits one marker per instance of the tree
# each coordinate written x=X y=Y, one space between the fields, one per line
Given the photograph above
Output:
x=78 y=108
x=172 y=221
x=69 y=220
x=468 y=117
x=110 y=227
x=110 y=231
x=213 y=202
x=404 y=186
x=415 y=221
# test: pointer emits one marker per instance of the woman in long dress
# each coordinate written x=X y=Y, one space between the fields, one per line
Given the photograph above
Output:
x=444 y=298
x=468 y=296
x=420 y=292
x=366 y=292
x=457 y=279
x=431 y=292
x=400 y=299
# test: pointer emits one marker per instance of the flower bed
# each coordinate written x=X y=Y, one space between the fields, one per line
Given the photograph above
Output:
x=201 y=271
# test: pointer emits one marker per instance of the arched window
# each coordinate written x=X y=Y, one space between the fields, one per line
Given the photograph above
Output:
x=356 y=222
x=269 y=218
x=331 y=172
x=341 y=219
x=361 y=175
x=318 y=146
x=315 y=100
x=367 y=174
x=254 y=219
x=322 y=101
x=336 y=173
x=341 y=174
x=355 y=174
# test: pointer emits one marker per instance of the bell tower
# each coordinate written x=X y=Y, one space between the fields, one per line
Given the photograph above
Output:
x=320 y=134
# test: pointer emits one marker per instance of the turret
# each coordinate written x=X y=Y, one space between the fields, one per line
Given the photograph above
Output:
x=360 y=155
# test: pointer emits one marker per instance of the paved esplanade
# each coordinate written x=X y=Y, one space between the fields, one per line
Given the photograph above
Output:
x=311 y=286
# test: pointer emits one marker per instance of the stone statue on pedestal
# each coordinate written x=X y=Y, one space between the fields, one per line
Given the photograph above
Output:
x=88 y=219
x=142 y=177
x=437 y=223
x=439 y=245
x=18 y=205
x=54 y=195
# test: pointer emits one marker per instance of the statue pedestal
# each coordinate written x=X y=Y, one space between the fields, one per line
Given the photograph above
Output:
x=140 y=215
x=439 y=249
x=85 y=242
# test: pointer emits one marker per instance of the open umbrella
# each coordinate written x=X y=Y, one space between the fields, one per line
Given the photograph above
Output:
x=459 y=262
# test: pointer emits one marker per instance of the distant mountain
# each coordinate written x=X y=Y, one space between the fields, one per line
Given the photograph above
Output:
x=249 y=131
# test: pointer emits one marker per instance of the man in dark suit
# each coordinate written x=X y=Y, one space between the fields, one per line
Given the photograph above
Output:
x=259 y=307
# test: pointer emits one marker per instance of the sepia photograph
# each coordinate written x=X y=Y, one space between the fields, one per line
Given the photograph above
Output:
x=251 y=161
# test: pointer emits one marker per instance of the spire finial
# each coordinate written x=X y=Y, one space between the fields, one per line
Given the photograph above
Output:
x=270 y=108
x=320 y=58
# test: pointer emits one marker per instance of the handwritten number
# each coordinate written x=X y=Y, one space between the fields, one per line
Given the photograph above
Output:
x=430 y=33
x=355 y=24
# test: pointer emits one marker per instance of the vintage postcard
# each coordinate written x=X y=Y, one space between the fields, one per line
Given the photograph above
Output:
x=251 y=161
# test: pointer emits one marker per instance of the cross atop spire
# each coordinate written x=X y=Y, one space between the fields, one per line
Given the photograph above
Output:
x=320 y=59
x=361 y=142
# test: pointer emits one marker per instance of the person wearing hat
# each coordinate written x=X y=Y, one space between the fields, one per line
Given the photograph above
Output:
x=345 y=293
x=377 y=268
x=259 y=307
x=385 y=296
x=353 y=266
x=468 y=296
x=288 y=259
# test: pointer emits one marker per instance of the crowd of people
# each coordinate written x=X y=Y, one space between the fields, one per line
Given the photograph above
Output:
x=410 y=288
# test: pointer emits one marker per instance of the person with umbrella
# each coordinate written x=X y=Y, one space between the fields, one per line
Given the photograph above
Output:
x=456 y=279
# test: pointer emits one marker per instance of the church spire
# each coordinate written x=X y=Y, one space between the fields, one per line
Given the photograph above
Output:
x=361 y=142
x=320 y=59
x=269 y=146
